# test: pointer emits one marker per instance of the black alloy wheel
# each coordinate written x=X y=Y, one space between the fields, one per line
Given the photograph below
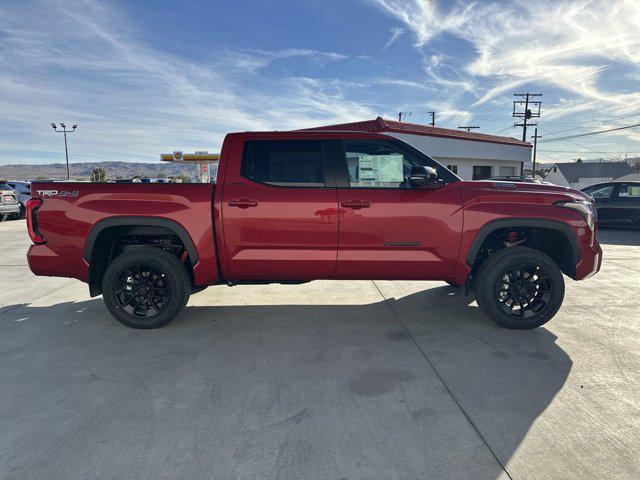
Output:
x=524 y=291
x=145 y=287
x=142 y=291
x=519 y=287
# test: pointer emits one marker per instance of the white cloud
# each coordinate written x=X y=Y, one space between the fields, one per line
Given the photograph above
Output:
x=559 y=43
x=570 y=47
x=395 y=34
x=85 y=62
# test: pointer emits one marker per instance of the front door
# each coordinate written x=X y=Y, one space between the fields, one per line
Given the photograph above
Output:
x=280 y=217
x=603 y=196
x=387 y=228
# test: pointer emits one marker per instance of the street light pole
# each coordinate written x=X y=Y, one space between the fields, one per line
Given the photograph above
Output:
x=66 y=150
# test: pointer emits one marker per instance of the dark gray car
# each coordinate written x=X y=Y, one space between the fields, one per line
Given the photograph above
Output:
x=618 y=203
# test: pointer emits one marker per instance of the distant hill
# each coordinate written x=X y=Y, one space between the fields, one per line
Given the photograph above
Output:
x=82 y=171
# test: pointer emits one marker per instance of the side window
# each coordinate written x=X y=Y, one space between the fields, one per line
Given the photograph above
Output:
x=629 y=190
x=291 y=163
x=380 y=164
x=600 y=192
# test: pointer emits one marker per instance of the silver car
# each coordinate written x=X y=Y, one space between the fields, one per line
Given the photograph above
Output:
x=23 y=189
x=9 y=204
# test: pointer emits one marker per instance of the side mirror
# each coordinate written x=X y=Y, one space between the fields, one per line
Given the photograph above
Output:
x=422 y=176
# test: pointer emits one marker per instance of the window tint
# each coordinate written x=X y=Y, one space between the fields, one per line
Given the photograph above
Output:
x=284 y=162
x=600 y=192
x=629 y=190
x=380 y=164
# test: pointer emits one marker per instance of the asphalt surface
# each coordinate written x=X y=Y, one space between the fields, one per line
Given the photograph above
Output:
x=328 y=380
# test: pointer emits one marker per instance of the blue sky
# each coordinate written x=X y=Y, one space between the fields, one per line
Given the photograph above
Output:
x=145 y=77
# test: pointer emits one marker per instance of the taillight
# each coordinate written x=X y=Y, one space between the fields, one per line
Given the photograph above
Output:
x=33 y=204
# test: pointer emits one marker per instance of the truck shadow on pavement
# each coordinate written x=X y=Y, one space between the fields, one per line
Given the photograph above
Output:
x=421 y=386
x=618 y=236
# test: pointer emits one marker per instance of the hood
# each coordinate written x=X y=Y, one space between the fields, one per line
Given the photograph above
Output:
x=530 y=192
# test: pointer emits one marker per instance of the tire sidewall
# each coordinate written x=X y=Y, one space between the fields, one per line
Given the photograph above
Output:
x=492 y=274
x=163 y=262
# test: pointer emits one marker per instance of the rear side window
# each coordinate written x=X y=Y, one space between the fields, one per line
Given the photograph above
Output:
x=291 y=163
x=629 y=190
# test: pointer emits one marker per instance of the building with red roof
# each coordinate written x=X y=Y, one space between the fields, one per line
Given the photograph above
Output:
x=470 y=155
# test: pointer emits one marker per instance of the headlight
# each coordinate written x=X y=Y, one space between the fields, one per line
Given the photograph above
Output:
x=587 y=210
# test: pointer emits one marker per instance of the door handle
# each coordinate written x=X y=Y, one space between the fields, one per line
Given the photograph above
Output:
x=355 y=203
x=242 y=203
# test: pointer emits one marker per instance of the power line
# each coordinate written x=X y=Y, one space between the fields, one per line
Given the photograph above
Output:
x=592 y=133
x=572 y=142
x=594 y=124
x=503 y=130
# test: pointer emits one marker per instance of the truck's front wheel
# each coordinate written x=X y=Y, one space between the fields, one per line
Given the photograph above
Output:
x=145 y=287
x=519 y=288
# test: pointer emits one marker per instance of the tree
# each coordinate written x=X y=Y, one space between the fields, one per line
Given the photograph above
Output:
x=99 y=174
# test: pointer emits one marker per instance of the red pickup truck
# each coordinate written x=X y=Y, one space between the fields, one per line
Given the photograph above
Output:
x=290 y=207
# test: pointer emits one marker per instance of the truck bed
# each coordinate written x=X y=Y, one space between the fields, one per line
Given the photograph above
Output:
x=72 y=214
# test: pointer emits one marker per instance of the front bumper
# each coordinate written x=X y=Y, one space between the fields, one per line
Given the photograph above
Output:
x=9 y=208
x=590 y=261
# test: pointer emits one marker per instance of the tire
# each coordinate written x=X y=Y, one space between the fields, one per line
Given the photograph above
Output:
x=3 y=218
x=519 y=288
x=153 y=280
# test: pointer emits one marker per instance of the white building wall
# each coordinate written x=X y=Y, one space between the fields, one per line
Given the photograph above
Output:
x=468 y=153
x=455 y=148
x=465 y=166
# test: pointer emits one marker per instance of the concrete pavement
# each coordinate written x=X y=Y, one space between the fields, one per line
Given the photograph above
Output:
x=327 y=380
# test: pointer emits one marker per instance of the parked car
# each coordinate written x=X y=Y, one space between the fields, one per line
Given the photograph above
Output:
x=9 y=204
x=291 y=207
x=617 y=203
x=23 y=189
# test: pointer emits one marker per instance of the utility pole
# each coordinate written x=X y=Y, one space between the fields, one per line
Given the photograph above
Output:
x=66 y=150
x=468 y=129
x=433 y=118
x=525 y=109
x=403 y=114
x=535 y=148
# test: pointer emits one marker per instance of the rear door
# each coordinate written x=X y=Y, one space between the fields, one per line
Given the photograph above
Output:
x=389 y=229
x=625 y=205
x=279 y=210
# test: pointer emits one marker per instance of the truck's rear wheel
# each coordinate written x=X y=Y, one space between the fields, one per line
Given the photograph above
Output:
x=145 y=287
x=519 y=288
